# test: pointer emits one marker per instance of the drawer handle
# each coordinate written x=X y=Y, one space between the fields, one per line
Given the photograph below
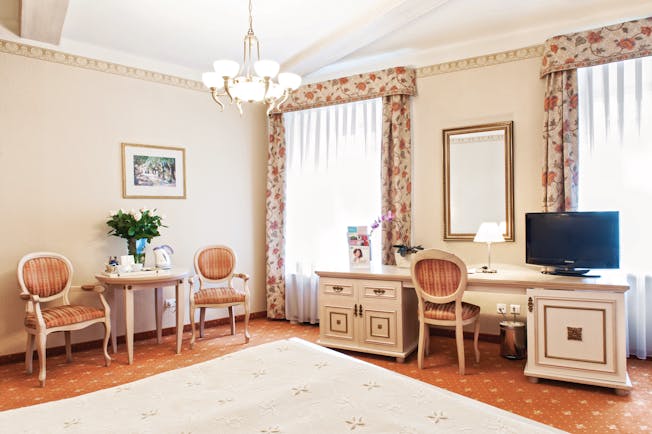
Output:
x=360 y=311
x=355 y=310
x=379 y=291
x=338 y=288
x=530 y=304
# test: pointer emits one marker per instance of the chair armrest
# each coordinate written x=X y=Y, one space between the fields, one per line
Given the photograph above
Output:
x=30 y=297
x=94 y=288
x=242 y=276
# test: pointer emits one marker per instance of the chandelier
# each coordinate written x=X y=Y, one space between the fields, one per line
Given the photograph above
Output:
x=250 y=87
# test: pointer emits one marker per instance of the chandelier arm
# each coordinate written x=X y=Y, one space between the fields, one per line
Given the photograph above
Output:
x=226 y=89
x=238 y=104
x=215 y=97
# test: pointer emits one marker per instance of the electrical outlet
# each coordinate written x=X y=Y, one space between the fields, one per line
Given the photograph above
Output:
x=515 y=308
x=170 y=303
x=501 y=308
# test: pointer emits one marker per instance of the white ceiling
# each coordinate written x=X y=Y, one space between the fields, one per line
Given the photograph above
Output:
x=318 y=39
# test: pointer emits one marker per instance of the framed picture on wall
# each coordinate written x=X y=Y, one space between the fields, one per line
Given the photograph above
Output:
x=153 y=171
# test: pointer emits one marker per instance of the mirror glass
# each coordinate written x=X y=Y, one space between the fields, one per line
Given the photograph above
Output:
x=478 y=184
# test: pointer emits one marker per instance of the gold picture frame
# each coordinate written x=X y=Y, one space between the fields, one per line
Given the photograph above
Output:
x=478 y=179
x=150 y=171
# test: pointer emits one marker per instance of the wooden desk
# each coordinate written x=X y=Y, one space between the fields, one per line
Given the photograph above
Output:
x=175 y=277
x=576 y=325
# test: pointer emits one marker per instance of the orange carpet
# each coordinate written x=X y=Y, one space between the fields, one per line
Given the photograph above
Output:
x=496 y=381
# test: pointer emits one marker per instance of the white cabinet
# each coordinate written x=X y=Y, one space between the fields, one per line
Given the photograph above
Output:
x=577 y=336
x=372 y=316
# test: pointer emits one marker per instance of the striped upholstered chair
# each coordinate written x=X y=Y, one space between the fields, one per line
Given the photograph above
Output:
x=440 y=281
x=45 y=277
x=215 y=267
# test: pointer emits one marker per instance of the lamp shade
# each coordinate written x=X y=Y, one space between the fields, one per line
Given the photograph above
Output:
x=489 y=232
x=266 y=68
x=212 y=80
x=226 y=68
x=289 y=80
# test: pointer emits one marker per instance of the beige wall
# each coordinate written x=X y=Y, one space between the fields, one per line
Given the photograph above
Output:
x=60 y=173
x=509 y=91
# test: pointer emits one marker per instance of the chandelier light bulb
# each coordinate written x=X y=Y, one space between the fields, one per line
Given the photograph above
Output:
x=266 y=68
x=226 y=68
x=289 y=80
x=212 y=80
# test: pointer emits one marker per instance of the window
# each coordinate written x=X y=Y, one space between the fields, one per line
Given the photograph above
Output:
x=615 y=171
x=333 y=181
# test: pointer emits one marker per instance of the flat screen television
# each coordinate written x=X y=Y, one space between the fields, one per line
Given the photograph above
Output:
x=572 y=242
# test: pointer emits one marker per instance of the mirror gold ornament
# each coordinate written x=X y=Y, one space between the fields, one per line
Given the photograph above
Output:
x=478 y=180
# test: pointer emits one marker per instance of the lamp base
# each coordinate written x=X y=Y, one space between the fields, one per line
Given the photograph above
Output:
x=486 y=269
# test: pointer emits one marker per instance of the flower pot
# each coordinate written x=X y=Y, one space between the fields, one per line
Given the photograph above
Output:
x=403 y=261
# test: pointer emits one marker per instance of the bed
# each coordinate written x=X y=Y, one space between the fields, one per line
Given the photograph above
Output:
x=286 y=386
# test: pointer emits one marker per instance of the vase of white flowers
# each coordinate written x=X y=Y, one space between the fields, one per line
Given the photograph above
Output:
x=137 y=227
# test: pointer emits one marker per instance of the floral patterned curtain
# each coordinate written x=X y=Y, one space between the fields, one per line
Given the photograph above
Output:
x=275 y=218
x=395 y=86
x=562 y=56
x=396 y=168
x=560 y=125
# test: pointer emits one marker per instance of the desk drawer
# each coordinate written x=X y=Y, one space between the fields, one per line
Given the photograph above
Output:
x=380 y=289
x=337 y=287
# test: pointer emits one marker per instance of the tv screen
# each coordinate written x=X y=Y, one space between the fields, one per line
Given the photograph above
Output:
x=573 y=240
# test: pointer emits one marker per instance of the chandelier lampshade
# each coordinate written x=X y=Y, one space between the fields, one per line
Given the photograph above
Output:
x=252 y=82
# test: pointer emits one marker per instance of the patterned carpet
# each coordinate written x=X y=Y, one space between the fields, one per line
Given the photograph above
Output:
x=496 y=381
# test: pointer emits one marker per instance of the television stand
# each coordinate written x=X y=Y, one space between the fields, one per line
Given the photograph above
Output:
x=572 y=272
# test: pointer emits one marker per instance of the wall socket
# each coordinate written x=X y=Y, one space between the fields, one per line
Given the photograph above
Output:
x=501 y=308
x=515 y=308
x=170 y=303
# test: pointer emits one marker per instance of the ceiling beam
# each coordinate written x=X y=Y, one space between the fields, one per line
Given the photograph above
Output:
x=384 y=20
x=42 y=20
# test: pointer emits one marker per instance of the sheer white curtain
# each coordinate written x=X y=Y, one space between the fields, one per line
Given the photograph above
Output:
x=615 y=168
x=333 y=181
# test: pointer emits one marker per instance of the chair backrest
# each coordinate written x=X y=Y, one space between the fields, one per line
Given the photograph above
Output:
x=46 y=274
x=438 y=276
x=215 y=264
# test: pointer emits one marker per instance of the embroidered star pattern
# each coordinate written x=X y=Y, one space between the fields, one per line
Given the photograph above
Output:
x=149 y=413
x=320 y=365
x=71 y=422
x=271 y=429
x=436 y=416
x=355 y=422
x=224 y=401
x=370 y=385
x=259 y=373
x=299 y=390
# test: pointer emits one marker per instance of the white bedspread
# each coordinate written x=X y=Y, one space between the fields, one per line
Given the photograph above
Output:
x=288 y=386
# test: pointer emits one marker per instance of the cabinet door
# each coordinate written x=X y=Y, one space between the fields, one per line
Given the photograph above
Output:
x=574 y=330
x=379 y=325
x=337 y=321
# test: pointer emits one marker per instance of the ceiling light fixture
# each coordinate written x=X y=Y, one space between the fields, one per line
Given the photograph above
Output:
x=249 y=87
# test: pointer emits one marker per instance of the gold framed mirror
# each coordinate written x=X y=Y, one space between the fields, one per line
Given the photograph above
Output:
x=478 y=180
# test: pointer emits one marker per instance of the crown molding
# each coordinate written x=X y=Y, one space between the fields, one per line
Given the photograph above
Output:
x=481 y=61
x=49 y=55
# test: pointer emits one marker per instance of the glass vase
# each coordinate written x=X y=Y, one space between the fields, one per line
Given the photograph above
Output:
x=136 y=248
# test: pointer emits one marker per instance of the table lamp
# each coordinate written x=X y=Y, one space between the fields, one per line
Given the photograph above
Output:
x=489 y=232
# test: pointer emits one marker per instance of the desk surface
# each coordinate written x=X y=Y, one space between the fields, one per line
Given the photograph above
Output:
x=507 y=278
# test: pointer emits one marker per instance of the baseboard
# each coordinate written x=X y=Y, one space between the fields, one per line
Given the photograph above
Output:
x=450 y=333
x=150 y=334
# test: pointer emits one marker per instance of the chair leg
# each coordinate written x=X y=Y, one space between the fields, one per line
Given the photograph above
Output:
x=68 y=346
x=192 y=325
x=202 y=318
x=476 y=334
x=423 y=328
x=29 y=353
x=40 y=349
x=232 y=320
x=246 y=322
x=427 y=341
x=459 y=338
x=105 y=345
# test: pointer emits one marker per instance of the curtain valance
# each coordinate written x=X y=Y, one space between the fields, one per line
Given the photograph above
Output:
x=391 y=81
x=594 y=47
